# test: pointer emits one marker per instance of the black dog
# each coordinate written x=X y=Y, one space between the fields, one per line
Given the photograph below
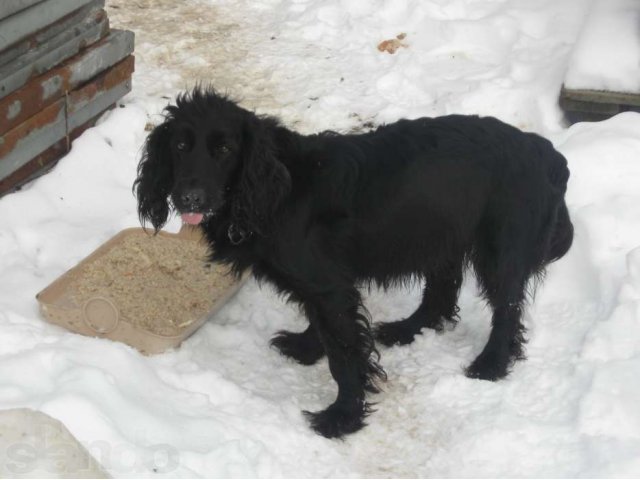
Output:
x=319 y=215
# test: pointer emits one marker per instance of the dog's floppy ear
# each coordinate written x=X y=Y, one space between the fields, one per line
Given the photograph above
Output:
x=155 y=177
x=264 y=181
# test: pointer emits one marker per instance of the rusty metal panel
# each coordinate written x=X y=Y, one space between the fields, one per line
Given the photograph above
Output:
x=29 y=139
x=46 y=89
x=30 y=20
x=81 y=98
x=116 y=47
x=15 y=74
x=41 y=163
x=32 y=137
x=65 y=24
x=97 y=104
x=9 y=7
x=46 y=160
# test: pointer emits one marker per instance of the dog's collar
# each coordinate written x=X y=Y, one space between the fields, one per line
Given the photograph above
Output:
x=237 y=235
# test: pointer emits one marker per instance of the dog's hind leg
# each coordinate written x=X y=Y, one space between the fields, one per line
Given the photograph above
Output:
x=304 y=347
x=438 y=308
x=504 y=262
x=506 y=340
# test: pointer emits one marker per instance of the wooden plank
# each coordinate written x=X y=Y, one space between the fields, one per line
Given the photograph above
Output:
x=608 y=109
x=23 y=143
x=601 y=96
x=30 y=20
x=45 y=89
x=15 y=74
x=44 y=162
x=596 y=105
x=66 y=24
x=9 y=7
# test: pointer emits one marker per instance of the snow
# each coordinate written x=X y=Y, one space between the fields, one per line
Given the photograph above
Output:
x=225 y=404
x=607 y=55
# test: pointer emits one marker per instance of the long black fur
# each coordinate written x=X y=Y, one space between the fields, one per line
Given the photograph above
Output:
x=319 y=215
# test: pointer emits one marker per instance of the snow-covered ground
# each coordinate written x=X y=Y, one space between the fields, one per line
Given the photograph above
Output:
x=607 y=54
x=225 y=404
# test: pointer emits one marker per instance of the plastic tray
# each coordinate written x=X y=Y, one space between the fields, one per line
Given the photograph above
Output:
x=99 y=316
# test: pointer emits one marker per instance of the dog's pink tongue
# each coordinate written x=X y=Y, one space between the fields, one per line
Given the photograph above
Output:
x=192 y=218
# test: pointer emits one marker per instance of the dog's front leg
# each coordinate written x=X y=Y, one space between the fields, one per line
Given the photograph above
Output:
x=345 y=333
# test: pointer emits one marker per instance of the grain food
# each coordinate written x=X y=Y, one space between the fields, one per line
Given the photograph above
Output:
x=159 y=284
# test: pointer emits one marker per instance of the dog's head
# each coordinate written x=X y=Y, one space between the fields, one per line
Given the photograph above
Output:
x=207 y=155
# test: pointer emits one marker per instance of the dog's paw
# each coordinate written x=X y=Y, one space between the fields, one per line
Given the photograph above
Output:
x=298 y=346
x=336 y=421
x=488 y=366
x=395 y=333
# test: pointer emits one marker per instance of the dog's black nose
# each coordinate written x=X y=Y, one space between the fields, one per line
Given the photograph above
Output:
x=193 y=198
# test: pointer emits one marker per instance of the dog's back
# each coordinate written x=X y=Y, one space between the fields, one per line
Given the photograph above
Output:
x=428 y=191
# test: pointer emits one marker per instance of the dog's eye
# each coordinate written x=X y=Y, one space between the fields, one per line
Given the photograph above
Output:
x=181 y=146
x=223 y=149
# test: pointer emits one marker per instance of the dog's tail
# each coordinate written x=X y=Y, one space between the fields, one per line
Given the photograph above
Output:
x=561 y=231
x=556 y=234
x=561 y=235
